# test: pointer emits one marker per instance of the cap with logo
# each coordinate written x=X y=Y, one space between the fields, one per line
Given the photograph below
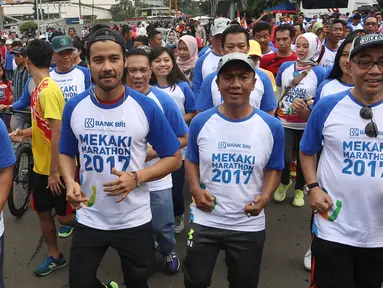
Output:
x=61 y=43
x=20 y=50
x=366 y=41
x=255 y=49
x=220 y=25
x=235 y=57
x=105 y=34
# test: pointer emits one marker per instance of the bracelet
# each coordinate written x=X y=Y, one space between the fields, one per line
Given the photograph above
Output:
x=136 y=178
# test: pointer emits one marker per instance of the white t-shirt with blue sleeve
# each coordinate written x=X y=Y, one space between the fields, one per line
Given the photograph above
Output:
x=262 y=97
x=328 y=58
x=7 y=159
x=73 y=82
x=184 y=98
x=350 y=170
x=331 y=87
x=169 y=107
x=306 y=88
x=114 y=135
x=232 y=156
x=204 y=66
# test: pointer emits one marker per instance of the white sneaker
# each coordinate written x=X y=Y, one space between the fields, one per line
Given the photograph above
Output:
x=179 y=224
x=307 y=260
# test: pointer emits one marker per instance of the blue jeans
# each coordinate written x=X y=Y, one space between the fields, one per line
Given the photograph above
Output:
x=161 y=204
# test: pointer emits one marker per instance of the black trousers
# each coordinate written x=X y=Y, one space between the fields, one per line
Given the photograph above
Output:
x=178 y=178
x=292 y=140
x=243 y=256
x=135 y=247
x=337 y=265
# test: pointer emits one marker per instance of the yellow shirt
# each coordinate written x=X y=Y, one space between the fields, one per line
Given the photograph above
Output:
x=272 y=78
x=47 y=102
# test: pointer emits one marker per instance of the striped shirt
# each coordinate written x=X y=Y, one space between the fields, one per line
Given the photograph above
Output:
x=20 y=78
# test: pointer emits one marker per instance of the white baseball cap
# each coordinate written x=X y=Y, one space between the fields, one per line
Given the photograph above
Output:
x=219 y=25
x=42 y=36
x=8 y=42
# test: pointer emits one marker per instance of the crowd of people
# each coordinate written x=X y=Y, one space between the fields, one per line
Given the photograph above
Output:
x=120 y=117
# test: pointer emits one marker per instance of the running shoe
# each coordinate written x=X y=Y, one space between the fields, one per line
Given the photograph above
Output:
x=110 y=284
x=172 y=263
x=299 y=199
x=293 y=169
x=179 y=224
x=280 y=194
x=307 y=260
x=65 y=231
x=50 y=264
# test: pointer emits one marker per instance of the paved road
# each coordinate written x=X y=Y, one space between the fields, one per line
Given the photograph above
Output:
x=287 y=239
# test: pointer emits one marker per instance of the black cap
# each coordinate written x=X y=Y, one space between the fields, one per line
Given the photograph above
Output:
x=20 y=50
x=105 y=34
x=366 y=41
x=357 y=16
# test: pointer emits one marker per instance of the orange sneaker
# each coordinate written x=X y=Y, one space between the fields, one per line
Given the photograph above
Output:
x=293 y=170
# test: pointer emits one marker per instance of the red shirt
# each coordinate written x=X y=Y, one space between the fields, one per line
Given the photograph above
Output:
x=5 y=93
x=272 y=61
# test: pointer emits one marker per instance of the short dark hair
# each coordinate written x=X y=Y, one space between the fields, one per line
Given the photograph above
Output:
x=285 y=27
x=78 y=45
x=261 y=26
x=371 y=17
x=40 y=53
x=16 y=43
x=270 y=17
x=235 y=29
x=137 y=52
x=143 y=39
x=175 y=76
x=336 y=21
x=125 y=29
x=2 y=40
x=153 y=34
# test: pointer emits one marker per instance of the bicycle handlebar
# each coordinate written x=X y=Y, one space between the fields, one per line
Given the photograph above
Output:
x=13 y=112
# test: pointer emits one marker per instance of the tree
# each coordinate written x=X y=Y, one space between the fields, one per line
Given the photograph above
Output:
x=258 y=6
x=27 y=26
x=122 y=10
x=205 y=7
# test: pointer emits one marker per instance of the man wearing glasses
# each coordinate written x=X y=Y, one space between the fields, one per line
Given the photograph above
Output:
x=346 y=191
x=371 y=25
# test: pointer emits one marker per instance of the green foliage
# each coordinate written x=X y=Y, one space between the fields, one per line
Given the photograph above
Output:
x=28 y=26
x=258 y=6
x=205 y=7
x=122 y=10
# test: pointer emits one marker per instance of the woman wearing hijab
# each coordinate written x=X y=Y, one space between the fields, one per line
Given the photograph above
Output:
x=171 y=39
x=187 y=55
x=294 y=102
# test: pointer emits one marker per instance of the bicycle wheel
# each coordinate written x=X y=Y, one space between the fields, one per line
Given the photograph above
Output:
x=19 y=196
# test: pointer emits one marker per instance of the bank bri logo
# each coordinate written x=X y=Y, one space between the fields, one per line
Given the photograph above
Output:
x=89 y=122
x=354 y=132
x=221 y=145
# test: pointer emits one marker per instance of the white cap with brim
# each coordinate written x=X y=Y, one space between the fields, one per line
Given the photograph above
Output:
x=42 y=37
x=219 y=25
x=235 y=57
x=8 y=42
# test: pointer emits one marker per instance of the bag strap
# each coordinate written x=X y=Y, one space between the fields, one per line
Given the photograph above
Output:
x=295 y=82
x=323 y=50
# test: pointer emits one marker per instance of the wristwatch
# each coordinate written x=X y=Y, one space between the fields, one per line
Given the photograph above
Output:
x=307 y=188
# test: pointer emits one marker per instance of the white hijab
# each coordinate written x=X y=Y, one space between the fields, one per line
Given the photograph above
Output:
x=315 y=49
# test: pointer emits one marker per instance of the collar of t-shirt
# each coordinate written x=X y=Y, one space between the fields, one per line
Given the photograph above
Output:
x=111 y=102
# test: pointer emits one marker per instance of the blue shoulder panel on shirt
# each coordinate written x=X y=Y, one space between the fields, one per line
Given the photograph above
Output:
x=189 y=103
x=86 y=74
x=268 y=101
x=276 y=160
x=205 y=100
x=195 y=128
x=197 y=78
x=7 y=156
x=161 y=135
x=311 y=142
x=25 y=98
x=171 y=111
x=320 y=73
x=68 y=142
x=319 y=90
x=281 y=69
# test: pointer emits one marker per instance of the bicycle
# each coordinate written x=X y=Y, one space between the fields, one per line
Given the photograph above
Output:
x=20 y=193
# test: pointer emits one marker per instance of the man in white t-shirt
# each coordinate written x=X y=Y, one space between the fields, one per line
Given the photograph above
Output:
x=346 y=192
x=110 y=126
x=234 y=162
x=161 y=201
x=355 y=24
x=208 y=63
x=336 y=28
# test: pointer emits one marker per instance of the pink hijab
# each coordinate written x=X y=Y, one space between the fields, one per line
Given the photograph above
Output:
x=192 y=45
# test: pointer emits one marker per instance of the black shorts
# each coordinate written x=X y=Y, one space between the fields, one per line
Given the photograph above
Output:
x=44 y=200
x=337 y=265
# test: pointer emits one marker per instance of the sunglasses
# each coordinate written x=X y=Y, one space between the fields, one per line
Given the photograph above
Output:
x=371 y=129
